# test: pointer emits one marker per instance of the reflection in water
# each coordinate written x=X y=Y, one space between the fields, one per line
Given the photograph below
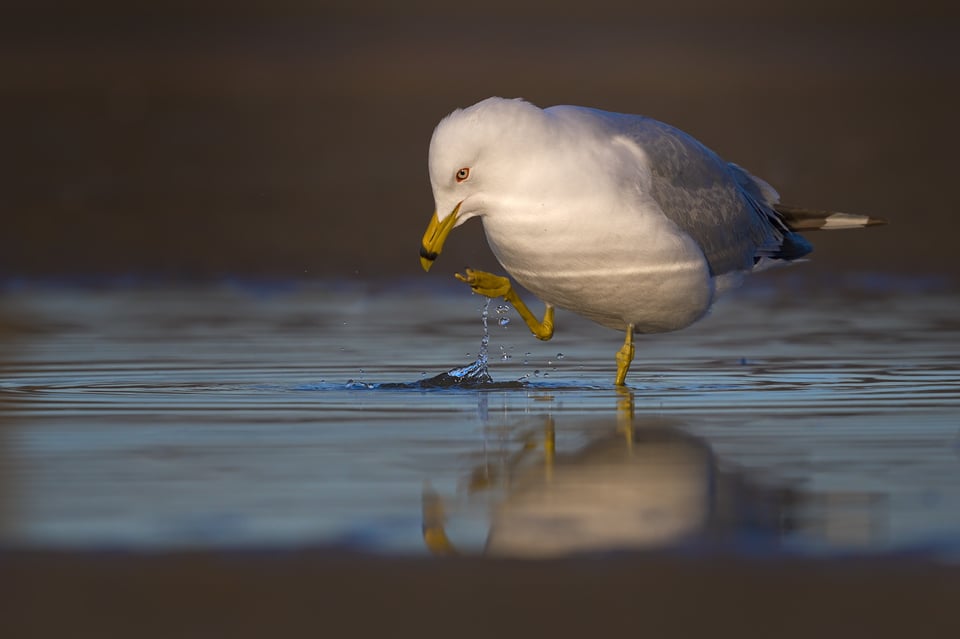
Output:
x=638 y=483
x=131 y=419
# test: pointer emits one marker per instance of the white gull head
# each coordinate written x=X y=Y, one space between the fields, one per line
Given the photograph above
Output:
x=486 y=157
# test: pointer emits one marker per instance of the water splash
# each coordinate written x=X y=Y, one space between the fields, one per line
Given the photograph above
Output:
x=469 y=376
x=474 y=375
x=503 y=320
x=478 y=372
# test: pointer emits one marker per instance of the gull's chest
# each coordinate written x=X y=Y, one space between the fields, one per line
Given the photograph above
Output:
x=579 y=240
x=615 y=267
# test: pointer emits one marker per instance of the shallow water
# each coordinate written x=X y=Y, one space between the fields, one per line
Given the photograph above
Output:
x=243 y=416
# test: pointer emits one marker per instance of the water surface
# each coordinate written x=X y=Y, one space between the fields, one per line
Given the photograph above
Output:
x=237 y=416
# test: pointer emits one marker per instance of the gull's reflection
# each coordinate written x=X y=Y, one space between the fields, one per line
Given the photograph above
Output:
x=638 y=483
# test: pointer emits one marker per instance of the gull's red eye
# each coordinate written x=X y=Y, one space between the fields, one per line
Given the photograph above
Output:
x=463 y=174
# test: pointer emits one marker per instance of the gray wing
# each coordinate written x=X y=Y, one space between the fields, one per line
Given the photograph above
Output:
x=728 y=212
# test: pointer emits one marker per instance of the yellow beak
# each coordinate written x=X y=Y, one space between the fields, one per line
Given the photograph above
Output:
x=435 y=236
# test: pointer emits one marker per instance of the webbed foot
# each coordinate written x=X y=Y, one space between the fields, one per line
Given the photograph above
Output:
x=486 y=284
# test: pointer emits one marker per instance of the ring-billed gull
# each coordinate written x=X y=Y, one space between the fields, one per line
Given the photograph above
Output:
x=619 y=218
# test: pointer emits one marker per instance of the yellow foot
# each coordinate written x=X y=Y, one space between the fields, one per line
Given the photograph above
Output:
x=486 y=284
x=624 y=357
x=490 y=285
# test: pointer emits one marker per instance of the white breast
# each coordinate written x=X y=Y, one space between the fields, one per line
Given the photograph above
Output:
x=616 y=266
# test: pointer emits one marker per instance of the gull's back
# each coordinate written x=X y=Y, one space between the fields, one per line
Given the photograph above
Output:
x=725 y=210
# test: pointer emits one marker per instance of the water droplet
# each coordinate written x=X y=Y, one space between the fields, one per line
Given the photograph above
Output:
x=503 y=321
x=546 y=374
x=560 y=355
x=505 y=357
x=537 y=372
x=549 y=362
x=502 y=308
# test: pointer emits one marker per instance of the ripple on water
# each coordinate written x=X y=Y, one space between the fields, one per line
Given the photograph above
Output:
x=209 y=419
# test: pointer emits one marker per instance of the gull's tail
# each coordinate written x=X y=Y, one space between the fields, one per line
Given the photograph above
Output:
x=800 y=219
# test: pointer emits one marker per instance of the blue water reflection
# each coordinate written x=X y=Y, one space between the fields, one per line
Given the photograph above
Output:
x=213 y=418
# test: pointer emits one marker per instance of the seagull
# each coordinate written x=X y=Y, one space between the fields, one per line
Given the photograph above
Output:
x=619 y=218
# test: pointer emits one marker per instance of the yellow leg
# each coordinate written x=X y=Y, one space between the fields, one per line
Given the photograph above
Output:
x=625 y=356
x=490 y=285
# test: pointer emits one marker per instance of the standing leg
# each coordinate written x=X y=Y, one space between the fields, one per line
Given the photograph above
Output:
x=625 y=356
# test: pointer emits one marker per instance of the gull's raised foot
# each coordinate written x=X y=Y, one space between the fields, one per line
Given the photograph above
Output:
x=486 y=284
x=491 y=285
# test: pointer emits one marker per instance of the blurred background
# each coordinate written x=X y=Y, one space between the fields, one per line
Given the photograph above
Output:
x=289 y=139
x=171 y=142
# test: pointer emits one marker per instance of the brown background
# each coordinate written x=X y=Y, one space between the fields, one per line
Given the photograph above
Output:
x=290 y=138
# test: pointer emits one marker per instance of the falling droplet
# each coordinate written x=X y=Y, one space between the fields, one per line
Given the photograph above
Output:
x=537 y=372
x=503 y=321
x=485 y=340
x=502 y=308
x=560 y=355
